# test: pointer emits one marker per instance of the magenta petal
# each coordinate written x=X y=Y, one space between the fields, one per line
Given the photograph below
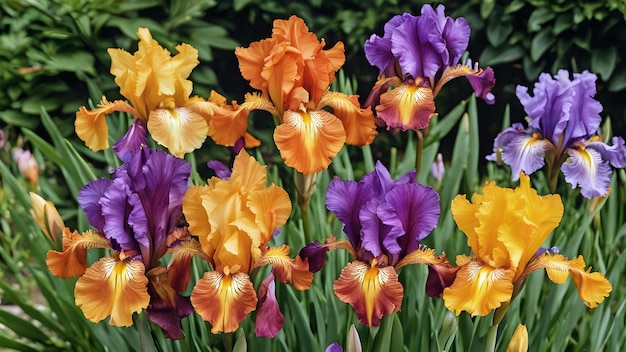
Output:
x=439 y=277
x=269 y=319
x=316 y=255
x=482 y=84
x=135 y=138
x=169 y=317
x=587 y=169
x=89 y=199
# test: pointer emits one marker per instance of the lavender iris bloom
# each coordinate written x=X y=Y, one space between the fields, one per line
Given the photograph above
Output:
x=416 y=56
x=137 y=210
x=563 y=121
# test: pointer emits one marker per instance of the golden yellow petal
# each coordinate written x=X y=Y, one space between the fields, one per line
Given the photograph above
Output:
x=91 y=125
x=422 y=255
x=519 y=340
x=478 y=289
x=307 y=140
x=180 y=130
x=249 y=172
x=223 y=300
x=115 y=288
x=271 y=207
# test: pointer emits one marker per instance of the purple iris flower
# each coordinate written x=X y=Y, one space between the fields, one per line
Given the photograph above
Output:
x=416 y=56
x=384 y=220
x=136 y=211
x=563 y=123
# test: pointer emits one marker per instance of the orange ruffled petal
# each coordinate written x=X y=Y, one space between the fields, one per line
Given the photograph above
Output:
x=408 y=107
x=307 y=140
x=271 y=208
x=115 y=288
x=372 y=291
x=72 y=260
x=592 y=287
x=359 y=124
x=223 y=300
x=91 y=125
x=479 y=288
x=287 y=270
x=180 y=130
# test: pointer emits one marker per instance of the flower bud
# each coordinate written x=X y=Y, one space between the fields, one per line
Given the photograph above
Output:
x=47 y=217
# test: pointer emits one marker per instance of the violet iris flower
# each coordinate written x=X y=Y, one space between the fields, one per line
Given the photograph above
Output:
x=416 y=56
x=563 y=123
x=385 y=220
x=136 y=213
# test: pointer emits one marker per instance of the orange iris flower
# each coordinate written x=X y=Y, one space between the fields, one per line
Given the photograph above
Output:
x=234 y=219
x=159 y=92
x=505 y=229
x=293 y=73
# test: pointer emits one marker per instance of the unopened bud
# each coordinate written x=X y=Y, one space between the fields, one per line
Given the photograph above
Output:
x=47 y=217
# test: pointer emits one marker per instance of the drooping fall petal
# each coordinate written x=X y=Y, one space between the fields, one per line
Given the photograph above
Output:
x=307 y=140
x=224 y=300
x=180 y=130
x=72 y=261
x=359 y=124
x=269 y=319
x=407 y=107
x=91 y=125
x=287 y=270
x=592 y=287
x=372 y=291
x=479 y=288
x=113 y=288
x=167 y=307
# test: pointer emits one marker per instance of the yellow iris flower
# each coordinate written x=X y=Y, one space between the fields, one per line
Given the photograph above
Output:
x=157 y=86
x=505 y=229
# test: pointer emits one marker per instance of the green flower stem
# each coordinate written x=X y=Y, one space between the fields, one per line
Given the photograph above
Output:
x=145 y=337
x=418 y=151
x=228 y=341
x=306 y=223
x=491 y=339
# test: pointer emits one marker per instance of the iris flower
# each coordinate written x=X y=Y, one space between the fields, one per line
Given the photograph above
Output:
x=157 y=87
x=563 y=122
x=293 y=73
x=416 y=56
x=135 y=214
x=505 y=229
x=385 y=220
x=234 y=219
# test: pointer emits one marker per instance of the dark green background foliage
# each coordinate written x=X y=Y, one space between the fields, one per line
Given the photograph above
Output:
x=64 y=44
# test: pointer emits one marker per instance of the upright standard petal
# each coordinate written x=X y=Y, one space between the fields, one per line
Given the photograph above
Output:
x=113 y=288
x=372 y=291
x=89 y=199
x=224 y=300
x=345 y=199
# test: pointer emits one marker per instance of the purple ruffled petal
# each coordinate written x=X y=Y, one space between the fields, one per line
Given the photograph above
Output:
x=587 y=169
x=221 y=170
x=563 y=110
x=378 y=49
x=89 y=199
x=373 y=230
x=448 y=37
x=345 y=199
x=413 y=210
x=116 y=209
x=135 y=138
x=416 y=56
x=269 y=319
